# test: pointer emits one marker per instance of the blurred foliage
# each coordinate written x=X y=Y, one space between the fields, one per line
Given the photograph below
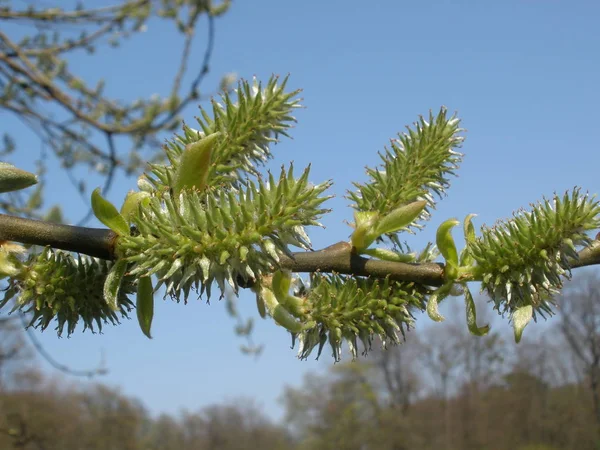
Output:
x=74 y=117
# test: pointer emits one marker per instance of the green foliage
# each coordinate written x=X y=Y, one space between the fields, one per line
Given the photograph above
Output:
x=106 y=213
x=56 y=285
x=144 y=304
x=369 y=226
x=194 y=164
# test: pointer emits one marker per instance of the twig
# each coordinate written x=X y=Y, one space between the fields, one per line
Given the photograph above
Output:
x=96 y=242
x=53 y=362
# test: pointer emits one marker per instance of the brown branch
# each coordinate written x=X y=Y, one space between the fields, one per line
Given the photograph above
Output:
x=589 y=256
x=98 y=242
x=338 y=258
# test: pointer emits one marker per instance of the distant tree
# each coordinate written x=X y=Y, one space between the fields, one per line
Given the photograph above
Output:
x=516 y=410
x=580 y=327
x=49 y=415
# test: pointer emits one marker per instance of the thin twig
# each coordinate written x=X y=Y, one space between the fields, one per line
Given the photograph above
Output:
x=53 y=362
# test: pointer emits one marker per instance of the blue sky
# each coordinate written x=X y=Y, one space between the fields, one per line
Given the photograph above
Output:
x=522 y=75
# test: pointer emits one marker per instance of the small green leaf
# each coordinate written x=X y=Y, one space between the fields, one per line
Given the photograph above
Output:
x=472 y=315
x=437 y=296
x=106 y=213
x=145 y=304
x=194 y=165
x=112 y=284
x=432 y=308
x=399 y=218
x=8 y=266
x=130 y=205
x=466 y=258
x=390 y=255
x=363 y=233
x=260 y=306
x=520 y=318
x=279 y=314
x=447 y=247
x=281 y=284
x=13 y=179
x=469 y=229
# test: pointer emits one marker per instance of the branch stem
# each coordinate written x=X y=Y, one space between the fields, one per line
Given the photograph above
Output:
x=98 y=242
x=338 y=258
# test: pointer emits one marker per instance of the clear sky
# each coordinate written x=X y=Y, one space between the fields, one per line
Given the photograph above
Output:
x=522 y=74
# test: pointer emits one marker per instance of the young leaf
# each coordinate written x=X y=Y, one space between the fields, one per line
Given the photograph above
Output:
x=281 y=284
x=469 y=229
x=130 y=205
x=400 y=218
x=279 y=314
x=13 y=179
x=432 y=308
x=112 y=284
x=520 y=318
x=145 y=304
x=260 y=306
x=472 y=315
x=194 y=165
x=466 y=258
x=106 y=213
x=364 y=232
x=8 y=267
x=447 y=247
x=437 y=296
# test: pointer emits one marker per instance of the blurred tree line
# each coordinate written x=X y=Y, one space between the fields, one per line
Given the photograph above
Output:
x=442 y=389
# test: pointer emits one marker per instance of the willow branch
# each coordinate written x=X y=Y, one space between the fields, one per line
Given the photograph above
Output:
x=589 y=256
x=98 y=242
x=338 y=258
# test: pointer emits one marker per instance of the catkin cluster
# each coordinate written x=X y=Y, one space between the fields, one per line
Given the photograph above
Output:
x=57 y=285
x=523 y=261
